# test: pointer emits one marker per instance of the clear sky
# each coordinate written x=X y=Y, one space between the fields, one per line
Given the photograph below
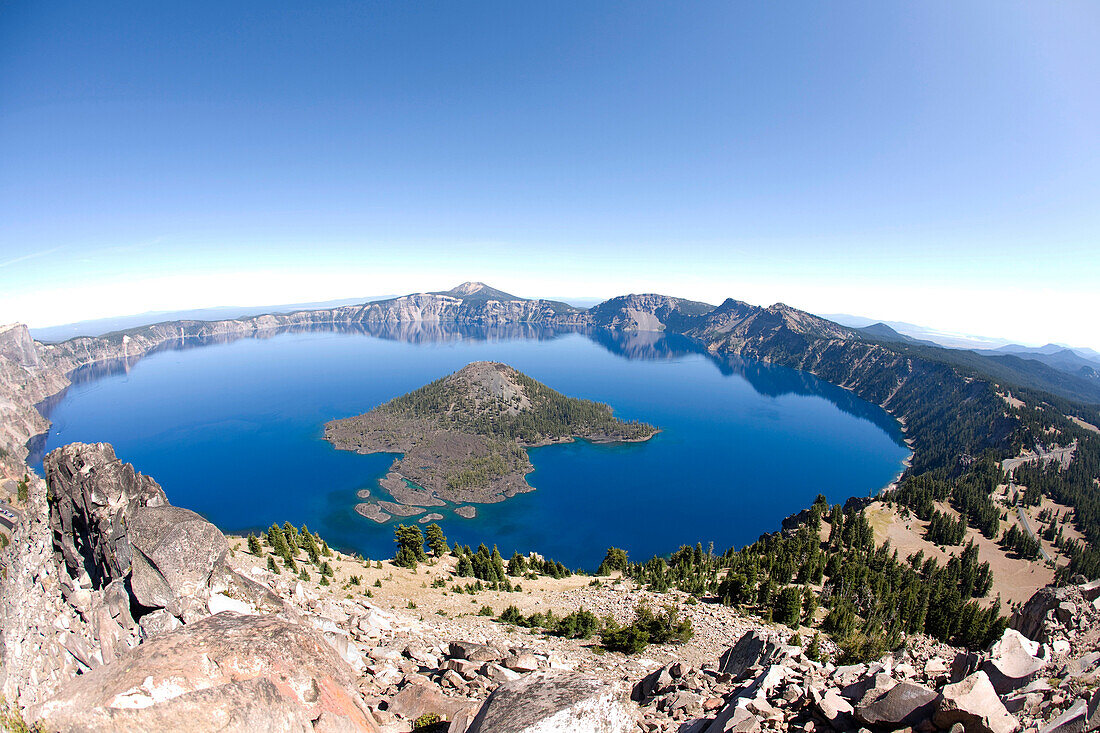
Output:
x=933 y=162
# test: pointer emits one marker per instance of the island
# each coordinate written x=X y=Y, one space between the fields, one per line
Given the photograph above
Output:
x=464 y=438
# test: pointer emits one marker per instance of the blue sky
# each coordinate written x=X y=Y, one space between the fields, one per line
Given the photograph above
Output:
x=933 y=162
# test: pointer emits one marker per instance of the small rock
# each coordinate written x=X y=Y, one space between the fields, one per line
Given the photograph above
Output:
x=523 y=662
x=473 y=651
x=1071 y=721
x=498 y=673
x=734 y=719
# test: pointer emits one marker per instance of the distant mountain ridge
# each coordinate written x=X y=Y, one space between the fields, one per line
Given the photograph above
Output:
x=776 y=333
x=960 y=341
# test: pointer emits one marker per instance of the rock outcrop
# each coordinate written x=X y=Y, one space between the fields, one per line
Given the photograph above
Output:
x=96 y=497
x=122 y=543
x=1056 y=615
x=24 y=382
x=227 y=671
x=649 y=312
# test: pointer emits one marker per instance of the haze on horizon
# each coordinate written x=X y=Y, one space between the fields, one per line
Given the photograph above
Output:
x=935 y=163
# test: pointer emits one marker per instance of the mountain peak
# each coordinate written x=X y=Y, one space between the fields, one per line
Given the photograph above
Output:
x=468 y=288
x=491 y=380
x=477 y=291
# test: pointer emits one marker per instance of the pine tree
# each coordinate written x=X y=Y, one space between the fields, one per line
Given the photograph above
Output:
x=437 y=542
x=517 y=565
x=291 y=535
x=410 y=546
x=788 y=606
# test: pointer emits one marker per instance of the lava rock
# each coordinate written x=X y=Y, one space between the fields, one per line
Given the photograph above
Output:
x=974 y=703
x=549 y=701
x=904 y=704
x=261 y=671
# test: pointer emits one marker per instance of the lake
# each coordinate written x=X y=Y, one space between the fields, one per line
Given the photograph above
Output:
x=233 y=431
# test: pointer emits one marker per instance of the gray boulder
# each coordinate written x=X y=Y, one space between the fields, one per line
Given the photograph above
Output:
x=416 y=699
x=753 y=648
x=974 y=703
x=1012 y=662
x=474 y=652
x=734 y=719
x=1081 y=665
x=903 y=705
x=657 y=682
x=174 y=553
x=553 y=701
x=1090 y=591
x=834 y=708
x=521 y=662
x=225 y=672
x=870 y=688
x=1073 y=720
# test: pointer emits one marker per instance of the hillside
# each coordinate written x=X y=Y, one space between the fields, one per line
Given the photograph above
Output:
x=463 y=437
x=180 y=627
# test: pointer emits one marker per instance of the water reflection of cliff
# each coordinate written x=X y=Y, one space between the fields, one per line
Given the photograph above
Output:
x=766 y=379
x=427 y=332
x=776 y=381
x=645 y=345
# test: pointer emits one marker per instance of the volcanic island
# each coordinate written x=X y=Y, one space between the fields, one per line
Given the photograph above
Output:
x=463 y=439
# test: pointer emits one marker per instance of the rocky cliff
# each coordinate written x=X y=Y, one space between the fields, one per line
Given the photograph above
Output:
x=649 y=312
x=24 y=382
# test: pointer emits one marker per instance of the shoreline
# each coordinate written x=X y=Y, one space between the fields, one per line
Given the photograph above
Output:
x=428 y=499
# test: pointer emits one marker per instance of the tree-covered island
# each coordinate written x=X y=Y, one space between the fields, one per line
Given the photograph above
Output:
x=463 y=438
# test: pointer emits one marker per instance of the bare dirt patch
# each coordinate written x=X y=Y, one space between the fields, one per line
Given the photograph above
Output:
x=1014 y=579
x=1086 y=425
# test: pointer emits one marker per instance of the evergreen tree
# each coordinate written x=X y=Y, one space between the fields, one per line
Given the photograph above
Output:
x=615 y=559
x=788 y=606
x=437 y=543
x=410 y=546
x=517 y=565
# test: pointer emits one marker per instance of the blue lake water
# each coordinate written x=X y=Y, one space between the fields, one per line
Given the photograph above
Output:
x=233 y=431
